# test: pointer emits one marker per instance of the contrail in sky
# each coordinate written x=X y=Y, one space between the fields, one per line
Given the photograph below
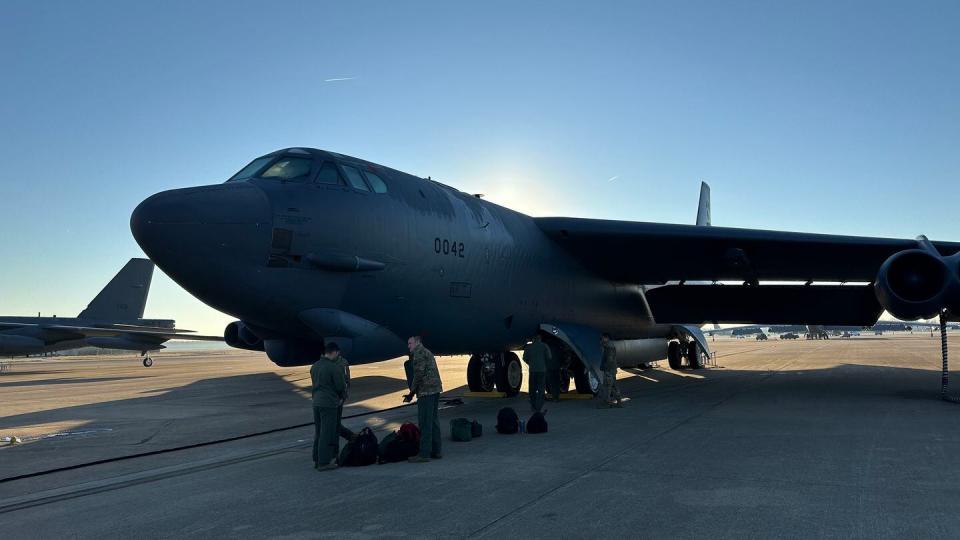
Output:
x=339 y=79
x=612 y=178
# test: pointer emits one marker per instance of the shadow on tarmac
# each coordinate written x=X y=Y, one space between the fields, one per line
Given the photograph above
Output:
x=230 y=406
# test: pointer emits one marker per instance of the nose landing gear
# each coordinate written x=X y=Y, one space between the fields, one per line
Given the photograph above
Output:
x=147 y=361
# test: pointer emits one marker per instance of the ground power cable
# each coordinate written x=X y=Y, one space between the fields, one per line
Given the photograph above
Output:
x=185 y=447
x=945 y=374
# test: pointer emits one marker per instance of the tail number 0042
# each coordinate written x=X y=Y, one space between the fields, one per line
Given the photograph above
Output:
x=448 y=247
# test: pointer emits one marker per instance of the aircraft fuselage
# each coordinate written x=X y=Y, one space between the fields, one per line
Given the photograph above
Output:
x=300 y=260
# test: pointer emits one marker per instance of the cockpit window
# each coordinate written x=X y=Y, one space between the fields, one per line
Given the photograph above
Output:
x=289 y=169
x=328 y=174
x=376 y=183
x=355 y=178
x=252 y=169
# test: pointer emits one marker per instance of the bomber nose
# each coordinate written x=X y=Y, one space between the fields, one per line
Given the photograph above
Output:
x=228 y=222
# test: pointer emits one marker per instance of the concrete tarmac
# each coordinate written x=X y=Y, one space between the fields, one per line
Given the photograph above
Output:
x=838 y=438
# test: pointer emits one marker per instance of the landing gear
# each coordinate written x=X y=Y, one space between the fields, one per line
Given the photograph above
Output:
x=674 y=355
x=694 y=355
x=584 y=380
x=509 y=374
x=147 y=361
x=482 y=373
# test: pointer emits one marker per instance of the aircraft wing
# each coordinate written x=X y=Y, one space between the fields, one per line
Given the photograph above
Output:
x=657 y=253
x=164 y=335
x=146 y=333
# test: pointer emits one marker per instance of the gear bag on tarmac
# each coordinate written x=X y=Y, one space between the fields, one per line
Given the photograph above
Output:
x=476 y=429
x=410 y=432
x=394 y=448
x=401 y=444
x=507 y=421
x=361 y=451
x=537 y=423
x=461 y=430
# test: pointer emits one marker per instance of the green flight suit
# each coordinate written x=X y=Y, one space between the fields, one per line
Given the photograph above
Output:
x=341 y=429
x=609 y=391
x=426 y=384
x=328 y=391
x=536 y=355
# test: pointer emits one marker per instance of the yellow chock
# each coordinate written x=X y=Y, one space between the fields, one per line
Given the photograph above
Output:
x=485 y=394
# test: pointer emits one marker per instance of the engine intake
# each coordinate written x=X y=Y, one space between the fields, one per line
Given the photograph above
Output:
x=917 y=284
x=239 y=336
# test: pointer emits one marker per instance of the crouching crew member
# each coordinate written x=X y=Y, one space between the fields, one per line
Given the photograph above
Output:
x=609 y=392
x=329 y=390
x=536 y=355
x=426 y=385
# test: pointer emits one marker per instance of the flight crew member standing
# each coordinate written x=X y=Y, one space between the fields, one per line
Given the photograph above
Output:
x=426 y=385
x=609 y=391
x=345 y=366
x=536 y=355
x=329 y=390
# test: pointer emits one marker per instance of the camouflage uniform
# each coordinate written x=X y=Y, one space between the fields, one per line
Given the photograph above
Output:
x=341 y=429
x=328 y=391
x=609 y=391
x=537 y=355
x=426 y=385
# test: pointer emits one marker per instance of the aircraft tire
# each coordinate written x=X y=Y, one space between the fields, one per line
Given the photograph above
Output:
x=510 y=374
x=674 y=356
x=694 y=355
x=477 y=379
x=147 y=362
x=581 y=380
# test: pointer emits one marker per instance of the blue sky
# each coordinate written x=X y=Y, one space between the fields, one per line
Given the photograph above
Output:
x=813 y=116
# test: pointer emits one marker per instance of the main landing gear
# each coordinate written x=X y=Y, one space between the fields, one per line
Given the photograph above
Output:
x=502 y=371
x=147 y=361
x=690 y=351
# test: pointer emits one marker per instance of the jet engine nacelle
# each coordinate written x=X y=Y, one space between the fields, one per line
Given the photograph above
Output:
x=239 y=336
x=634 y=352
x=289 y=352
x=917 y=284
x=20 y=344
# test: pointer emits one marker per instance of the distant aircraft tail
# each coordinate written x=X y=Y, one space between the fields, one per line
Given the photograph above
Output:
x=124 y=298
x=703 y=211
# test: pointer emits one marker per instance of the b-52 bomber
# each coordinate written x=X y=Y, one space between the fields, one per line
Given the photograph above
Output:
x=305 y=246
x=113 y=320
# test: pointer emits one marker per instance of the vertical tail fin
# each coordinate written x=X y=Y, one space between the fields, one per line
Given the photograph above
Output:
x=703 y=211
x=124 y=298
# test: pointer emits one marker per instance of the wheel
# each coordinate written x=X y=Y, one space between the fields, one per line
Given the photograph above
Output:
x=583 y=380
x=147 y=362
x=594 y=382
x=674 y=355
x=694 y=355
x=481 y=373
x=509 y=374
